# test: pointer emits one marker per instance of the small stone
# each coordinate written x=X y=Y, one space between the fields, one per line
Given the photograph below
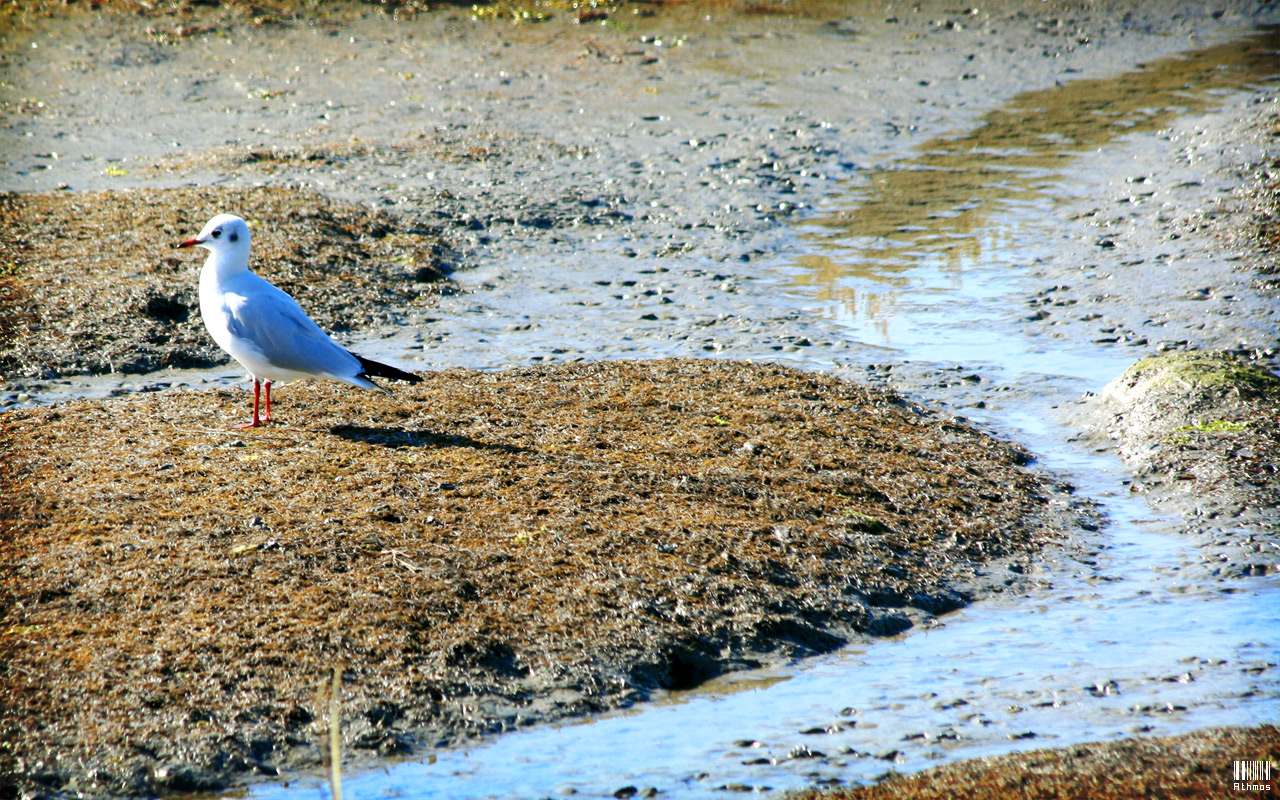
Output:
x=1103 y=689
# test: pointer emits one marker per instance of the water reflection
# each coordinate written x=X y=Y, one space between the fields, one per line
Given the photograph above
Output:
x=955 y=204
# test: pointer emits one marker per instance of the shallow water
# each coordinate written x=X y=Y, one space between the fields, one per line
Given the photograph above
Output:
x=937 y=256
x=1115 y=644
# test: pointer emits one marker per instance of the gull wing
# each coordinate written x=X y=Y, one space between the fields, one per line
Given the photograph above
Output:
x=272 y=327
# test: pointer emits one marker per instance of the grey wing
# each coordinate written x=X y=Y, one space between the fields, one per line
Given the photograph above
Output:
x=272 y=323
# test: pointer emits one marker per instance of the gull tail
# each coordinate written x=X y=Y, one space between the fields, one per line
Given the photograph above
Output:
x=374 y=369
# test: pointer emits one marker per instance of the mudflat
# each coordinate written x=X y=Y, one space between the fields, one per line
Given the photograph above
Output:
x=493 y=549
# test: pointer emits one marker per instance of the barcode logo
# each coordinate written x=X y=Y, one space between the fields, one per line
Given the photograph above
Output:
x=1252 y=776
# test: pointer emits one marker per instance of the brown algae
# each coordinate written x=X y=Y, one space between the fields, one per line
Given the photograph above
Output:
x=1190 y=766
x=477 y=552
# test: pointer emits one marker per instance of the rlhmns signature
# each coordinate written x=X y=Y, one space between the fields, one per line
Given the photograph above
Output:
x=1252 y=776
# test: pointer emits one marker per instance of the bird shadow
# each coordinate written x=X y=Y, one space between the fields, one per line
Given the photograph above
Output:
x=397 y=438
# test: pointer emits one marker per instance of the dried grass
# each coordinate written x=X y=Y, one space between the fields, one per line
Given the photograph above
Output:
x=479 y=551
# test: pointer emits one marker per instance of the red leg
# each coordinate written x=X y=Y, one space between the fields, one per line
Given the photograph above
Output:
x=267 y=385
x=257 y=388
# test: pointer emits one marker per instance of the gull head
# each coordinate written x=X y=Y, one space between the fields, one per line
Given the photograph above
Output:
x=224 y=234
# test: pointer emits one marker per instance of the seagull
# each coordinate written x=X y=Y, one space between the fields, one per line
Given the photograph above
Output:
x=265 y=329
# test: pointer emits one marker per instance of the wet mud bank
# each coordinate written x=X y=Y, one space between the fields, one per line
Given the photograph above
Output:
x=1199 y=421
x=475 y=554
x=1202 y=432
x=1192 y=766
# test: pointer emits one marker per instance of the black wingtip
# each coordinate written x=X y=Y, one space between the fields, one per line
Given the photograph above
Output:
x=375 y=369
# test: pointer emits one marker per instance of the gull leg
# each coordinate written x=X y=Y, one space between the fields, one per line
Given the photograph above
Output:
x=267 y=385
x=257 y=389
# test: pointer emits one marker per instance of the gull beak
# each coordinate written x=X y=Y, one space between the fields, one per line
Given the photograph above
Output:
x=190 y=242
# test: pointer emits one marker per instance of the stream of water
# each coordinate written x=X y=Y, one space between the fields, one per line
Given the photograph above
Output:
x=1114 y=645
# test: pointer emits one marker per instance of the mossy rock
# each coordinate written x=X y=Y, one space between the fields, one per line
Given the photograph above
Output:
x=1196 y=372
x=1201 y=429
x=1160 y=397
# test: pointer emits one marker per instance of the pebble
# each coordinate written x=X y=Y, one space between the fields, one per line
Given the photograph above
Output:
x=804 y=751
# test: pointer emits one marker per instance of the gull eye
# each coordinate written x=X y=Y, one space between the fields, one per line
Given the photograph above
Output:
x=217 y=232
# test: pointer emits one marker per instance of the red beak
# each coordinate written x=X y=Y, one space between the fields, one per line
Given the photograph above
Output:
x=189 y=243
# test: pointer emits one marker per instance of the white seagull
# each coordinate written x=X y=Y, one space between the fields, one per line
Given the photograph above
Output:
x=263 y=328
